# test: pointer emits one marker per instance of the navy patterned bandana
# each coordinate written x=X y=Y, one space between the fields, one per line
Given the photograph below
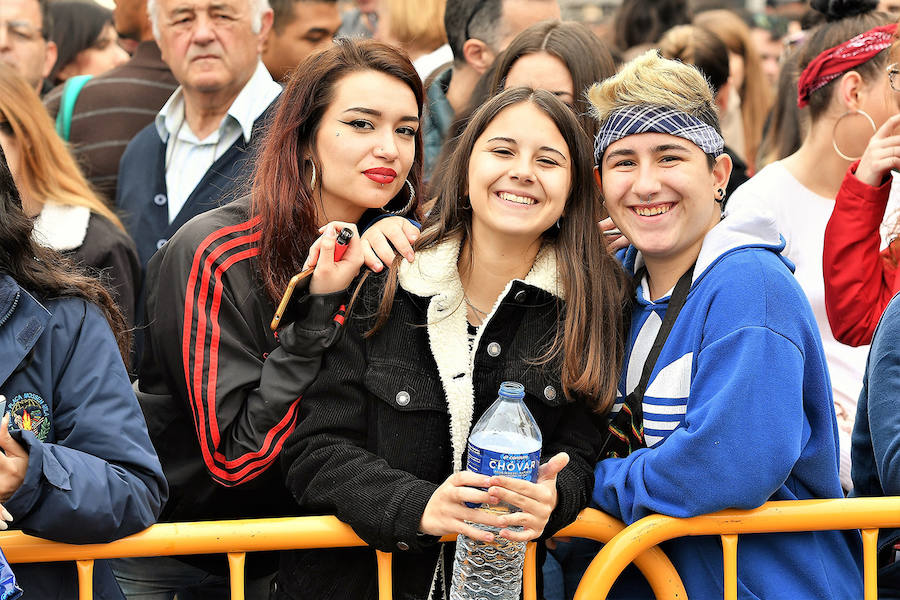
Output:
x=641 y=118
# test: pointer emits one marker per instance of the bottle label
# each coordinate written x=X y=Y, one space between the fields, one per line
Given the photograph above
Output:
x=508 y=464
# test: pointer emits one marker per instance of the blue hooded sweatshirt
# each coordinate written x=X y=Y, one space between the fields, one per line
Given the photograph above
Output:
x=738 y=411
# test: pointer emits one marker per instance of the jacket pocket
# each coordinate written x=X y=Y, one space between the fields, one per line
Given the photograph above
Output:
x=411 y=427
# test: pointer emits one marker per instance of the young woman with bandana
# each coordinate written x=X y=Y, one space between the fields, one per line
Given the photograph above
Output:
x=724 y=397
x=845 y=91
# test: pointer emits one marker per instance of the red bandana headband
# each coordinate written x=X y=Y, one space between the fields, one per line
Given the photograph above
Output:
x=830 y=64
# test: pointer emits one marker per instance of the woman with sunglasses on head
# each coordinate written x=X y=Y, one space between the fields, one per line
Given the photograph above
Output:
x=844 y=89
x=221 y=390
x=511 y=281
x=724 y=400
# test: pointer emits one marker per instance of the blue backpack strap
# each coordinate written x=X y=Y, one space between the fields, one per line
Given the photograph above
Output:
x=71 y=89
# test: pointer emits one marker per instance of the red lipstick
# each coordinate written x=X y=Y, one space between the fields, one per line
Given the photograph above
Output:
x=381 y=175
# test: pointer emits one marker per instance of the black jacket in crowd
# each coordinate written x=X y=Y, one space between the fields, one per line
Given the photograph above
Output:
x=387 y=421
x=219 y=391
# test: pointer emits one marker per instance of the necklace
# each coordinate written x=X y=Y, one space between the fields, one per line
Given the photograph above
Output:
x=479 y=314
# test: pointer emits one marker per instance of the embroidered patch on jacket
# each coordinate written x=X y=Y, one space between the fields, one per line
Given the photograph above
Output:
x=29 y=412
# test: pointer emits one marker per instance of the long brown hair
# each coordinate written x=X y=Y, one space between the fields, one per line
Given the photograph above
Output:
x=281 y=195
x=755 y=92
x=48 y=171
x=590 y=342
x=42 y=271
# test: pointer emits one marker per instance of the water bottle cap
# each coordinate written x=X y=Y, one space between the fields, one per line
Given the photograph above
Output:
x=512 y=389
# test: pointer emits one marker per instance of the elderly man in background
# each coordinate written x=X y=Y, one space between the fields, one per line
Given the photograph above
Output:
x=25 y=40
x=197 y=150
x=188 y=161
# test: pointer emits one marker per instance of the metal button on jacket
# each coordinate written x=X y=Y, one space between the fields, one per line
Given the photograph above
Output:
x=159 y=199
x=520 y=296
x=550 y=392
x=493 y=349
x=402 y=399
x=161 y=243
x=402 y=545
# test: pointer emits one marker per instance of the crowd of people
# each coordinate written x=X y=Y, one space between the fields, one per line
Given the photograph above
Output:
x=676 y=227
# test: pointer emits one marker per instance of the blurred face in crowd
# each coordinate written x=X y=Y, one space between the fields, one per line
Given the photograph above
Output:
x=660 y=191
x=129 y=17
x=103 y=55
x=210 y=45
x=889 y=6
x=769 y=51
x=365 y=143
x=543 y=71
x=311 y=29
x=519 y=15
x=519 y=177
x=22 y=43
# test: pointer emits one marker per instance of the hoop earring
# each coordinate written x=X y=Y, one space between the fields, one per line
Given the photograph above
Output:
x=409 y=205
x=312 y=180
x=720 y=196
x=833 y=129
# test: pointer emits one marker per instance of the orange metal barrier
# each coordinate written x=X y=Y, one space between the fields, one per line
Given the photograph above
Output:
x=867 y=514
x=235 y=538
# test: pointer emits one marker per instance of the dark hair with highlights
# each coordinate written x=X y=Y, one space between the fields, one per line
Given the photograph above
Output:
x=280 y=191
x=589 y=344
x=43 y=272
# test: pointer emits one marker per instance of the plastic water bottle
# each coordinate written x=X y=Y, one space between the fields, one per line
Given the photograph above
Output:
x=505 y=441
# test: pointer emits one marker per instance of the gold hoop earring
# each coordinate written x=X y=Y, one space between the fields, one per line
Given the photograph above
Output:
x=409 y=205
x=834 y=129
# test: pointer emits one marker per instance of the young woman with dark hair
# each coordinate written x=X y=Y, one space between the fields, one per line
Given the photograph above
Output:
x=511 y=281
x=220 y=389
x=86 y=40
x=77 y=465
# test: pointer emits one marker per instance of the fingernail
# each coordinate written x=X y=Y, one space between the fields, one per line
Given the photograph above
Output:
x=379 y=266
x=5 y=514
x=489 y=537
x=3 y=526
x=410 y=257
x=330 y=233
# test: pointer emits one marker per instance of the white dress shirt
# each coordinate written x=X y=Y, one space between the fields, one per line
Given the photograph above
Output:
x=188 y=158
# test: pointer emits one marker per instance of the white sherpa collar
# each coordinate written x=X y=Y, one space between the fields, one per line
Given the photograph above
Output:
x=61 y=227
x=433 y=274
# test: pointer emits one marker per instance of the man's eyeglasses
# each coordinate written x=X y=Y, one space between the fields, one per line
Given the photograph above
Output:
x=893 y=70
x=21 y=31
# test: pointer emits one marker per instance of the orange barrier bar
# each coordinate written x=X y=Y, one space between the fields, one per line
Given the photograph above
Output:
x=235 y=538
x=784 y=516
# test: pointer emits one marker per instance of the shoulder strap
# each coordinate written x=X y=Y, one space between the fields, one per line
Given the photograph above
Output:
x=71 y=89
x=676 y=302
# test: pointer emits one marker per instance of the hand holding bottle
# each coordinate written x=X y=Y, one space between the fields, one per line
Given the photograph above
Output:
x=447 y=514
x=535 y=501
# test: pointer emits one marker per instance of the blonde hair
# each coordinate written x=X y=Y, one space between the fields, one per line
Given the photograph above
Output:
x=48 y=171
x=755 y=92
x=417 y=24
x=651 y=79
